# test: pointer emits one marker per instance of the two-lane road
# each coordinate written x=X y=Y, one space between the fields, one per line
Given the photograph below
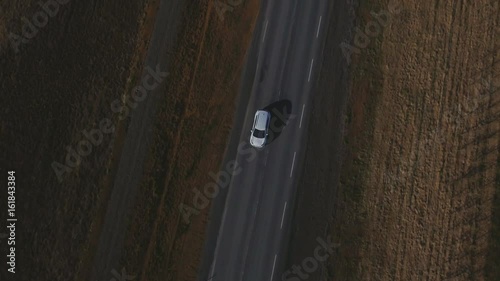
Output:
x=251 y=240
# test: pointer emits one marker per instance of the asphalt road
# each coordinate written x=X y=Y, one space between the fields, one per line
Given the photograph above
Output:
x=251 y=236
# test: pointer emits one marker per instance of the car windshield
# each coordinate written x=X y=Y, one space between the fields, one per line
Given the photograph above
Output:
x=259 y=134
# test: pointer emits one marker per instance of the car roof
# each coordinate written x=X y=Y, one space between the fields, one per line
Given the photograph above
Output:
x=261 y=117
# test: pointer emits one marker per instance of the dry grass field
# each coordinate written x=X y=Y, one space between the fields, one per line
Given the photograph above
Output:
x=412 y=178
x=418 y=198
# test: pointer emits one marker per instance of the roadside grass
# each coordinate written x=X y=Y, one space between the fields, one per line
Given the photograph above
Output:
x=193 y=125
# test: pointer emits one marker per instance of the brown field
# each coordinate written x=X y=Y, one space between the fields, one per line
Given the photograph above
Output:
x=418 y=197
x=58 y=84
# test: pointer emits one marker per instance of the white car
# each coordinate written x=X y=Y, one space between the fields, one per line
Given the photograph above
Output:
x=259 y=132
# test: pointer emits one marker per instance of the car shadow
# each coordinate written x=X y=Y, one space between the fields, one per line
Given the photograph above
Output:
x=281 y=112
